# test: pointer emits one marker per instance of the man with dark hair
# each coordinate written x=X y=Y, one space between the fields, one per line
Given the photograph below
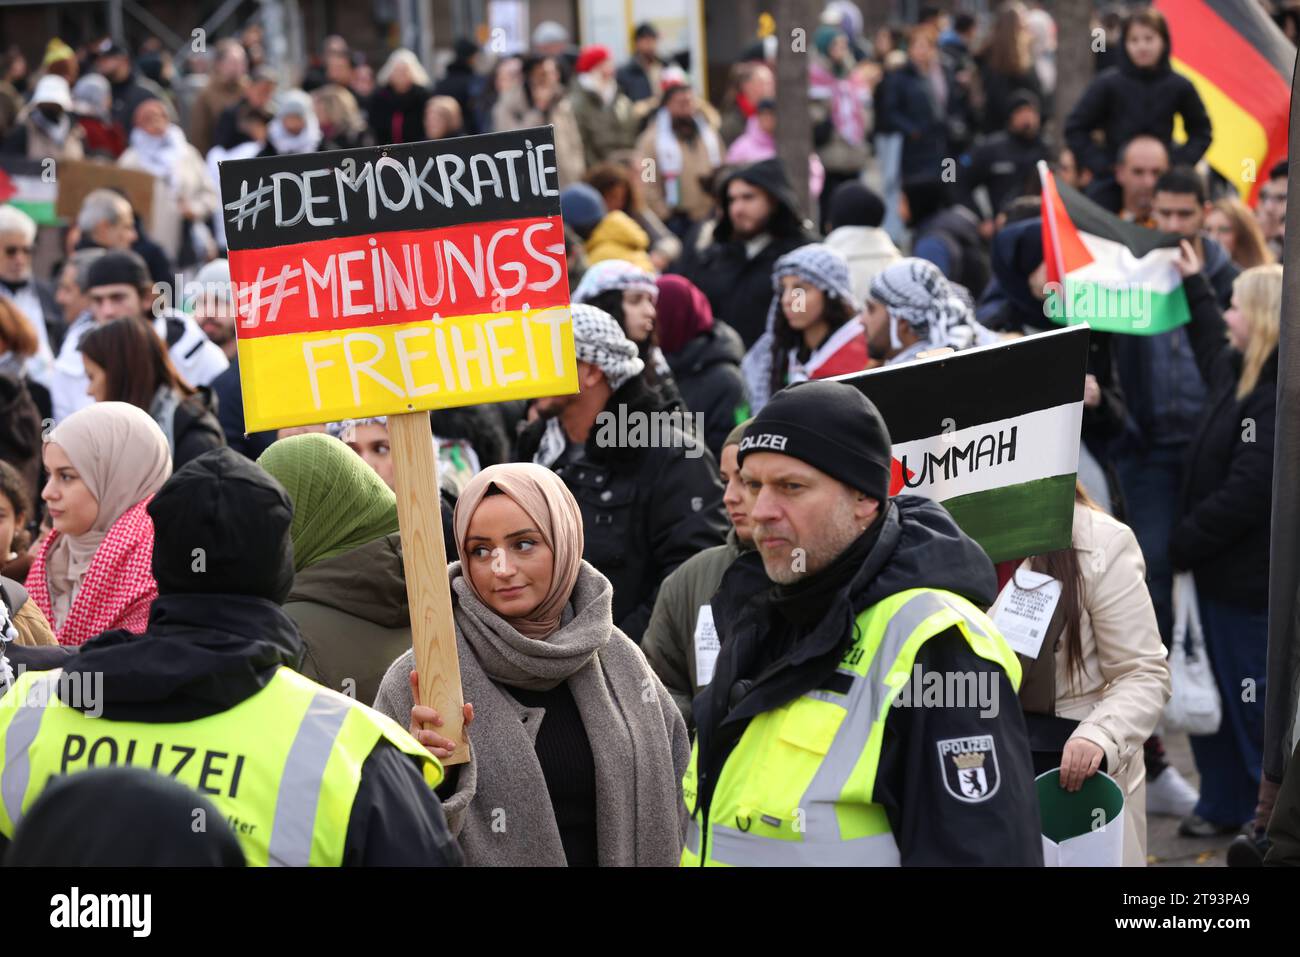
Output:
x=1179 y=206
x=758 y=224
x=1271 y=211
x=1005 y=164
x=638 y=78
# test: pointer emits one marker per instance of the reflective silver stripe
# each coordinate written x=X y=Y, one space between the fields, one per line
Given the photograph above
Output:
x=729 y=846
x=866 y=699
x=300 y=782
x=23 y=729
x=693 y=836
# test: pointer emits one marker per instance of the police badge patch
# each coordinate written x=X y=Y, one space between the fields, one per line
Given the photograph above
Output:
x=970 y=767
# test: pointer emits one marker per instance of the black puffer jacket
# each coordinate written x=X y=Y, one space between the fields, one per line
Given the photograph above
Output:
x=1124 y=101
x=739 y=287
x=195 y=427
x=644 y=510
x=707 y=373
x=1223 y=534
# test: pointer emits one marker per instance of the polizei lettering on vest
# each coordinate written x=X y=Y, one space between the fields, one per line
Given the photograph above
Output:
x=986 y=451
x=213 y=772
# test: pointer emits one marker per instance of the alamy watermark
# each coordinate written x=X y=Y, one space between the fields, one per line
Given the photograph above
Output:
x=636 y=429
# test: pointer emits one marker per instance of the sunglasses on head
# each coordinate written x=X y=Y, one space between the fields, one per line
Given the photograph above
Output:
x=15 y=250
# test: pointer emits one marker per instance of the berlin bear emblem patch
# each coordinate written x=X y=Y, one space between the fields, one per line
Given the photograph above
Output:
x=970 y=767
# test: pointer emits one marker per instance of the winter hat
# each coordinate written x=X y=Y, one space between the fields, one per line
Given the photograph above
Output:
x=52 y=88
x=55 y=51
x=238 y=515
x=829 y=425
x=547 y=32
x=853 y=204
x=91 y=96
x=611 y=274
x=581 y=207
x=339 y=502
x=916 y=292
x=682 y=313
x=598 y=339
x=592 y=57
x=118 y=266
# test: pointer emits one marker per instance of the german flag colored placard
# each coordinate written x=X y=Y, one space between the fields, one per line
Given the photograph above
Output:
x=992 y=433
x=396 y=279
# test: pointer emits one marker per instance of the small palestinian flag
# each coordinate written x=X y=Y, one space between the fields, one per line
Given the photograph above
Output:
x=25 y=184
x=1241 y=64
x=1114 y=275
x=993 y=434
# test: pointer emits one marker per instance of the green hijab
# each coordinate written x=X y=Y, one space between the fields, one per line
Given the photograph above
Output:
x=339 y=502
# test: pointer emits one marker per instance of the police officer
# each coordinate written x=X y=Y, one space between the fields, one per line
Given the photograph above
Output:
x=863 y=710
x=207 y=695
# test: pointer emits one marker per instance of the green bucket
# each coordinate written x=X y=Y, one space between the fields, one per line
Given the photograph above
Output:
x=1084 y=826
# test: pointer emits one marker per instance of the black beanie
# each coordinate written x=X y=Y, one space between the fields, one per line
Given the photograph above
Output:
x=829 y=425
x=852 y=204
x=118 y=266
x=238 y=515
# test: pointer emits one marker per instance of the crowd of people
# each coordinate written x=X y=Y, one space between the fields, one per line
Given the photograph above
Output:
x=669 y=653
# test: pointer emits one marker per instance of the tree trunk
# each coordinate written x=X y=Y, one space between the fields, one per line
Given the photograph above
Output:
x=1075 y=59
x=795 y=24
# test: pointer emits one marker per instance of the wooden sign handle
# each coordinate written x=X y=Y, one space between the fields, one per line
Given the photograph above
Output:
x=433 y=630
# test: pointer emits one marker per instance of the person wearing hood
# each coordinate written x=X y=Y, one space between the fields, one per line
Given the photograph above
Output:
x=574 y=743
x=349 y=591
x=606 y=118
x=681 y=640
x=846 y=585
x=184 y=195
x=759 y=222
x=811 y=332
x=212 y=679
x=704 y=357
x=912 y=308
x=45 y=127
x=92 y=106
x=126 y=362
x=1140 y=96
x=629 y=294
x=295 y=128
x=648 y=503
x=463 y=83
x=92 y=572
x=856 y=215
x=1005 y=163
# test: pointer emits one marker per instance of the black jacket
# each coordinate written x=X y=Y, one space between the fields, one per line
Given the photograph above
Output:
x=708 y=376
x=1006 y=166
x=195 y=427
x=907 y=105
x=740 y=288
x=204 y=654
x=644 y=510
x=20 y=436
x=957 y=231
x=1223 y=534
x=398 y=117
x=917 y=544
x=1124 y=101
x=634 y=81
x=998 y=90
x=229 y=399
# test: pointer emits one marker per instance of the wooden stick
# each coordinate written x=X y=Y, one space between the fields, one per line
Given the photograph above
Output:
x=433 y=631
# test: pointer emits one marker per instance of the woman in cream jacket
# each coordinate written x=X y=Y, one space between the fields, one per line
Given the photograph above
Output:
x=1110 y=669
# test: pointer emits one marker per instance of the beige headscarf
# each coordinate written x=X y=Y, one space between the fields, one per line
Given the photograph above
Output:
x=123 y=457
x=548 y=502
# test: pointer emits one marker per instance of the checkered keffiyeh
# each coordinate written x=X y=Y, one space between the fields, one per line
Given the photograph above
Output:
x=600 y=340
x=916 y=291
x=611 y=274
x=118 y=588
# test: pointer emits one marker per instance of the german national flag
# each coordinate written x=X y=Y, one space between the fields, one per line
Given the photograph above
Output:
x=1241 y=64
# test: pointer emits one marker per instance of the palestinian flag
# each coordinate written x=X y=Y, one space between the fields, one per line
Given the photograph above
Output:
x=1113 y=275
x=993 y=434
x=1241 y=65
x=24 y=184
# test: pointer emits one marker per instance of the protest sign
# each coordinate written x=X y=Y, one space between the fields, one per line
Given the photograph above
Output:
x=993 y=434
x=78 y=177
x=390 y=281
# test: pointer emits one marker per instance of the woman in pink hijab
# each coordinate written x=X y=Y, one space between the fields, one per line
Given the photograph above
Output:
x=92 y=573
x=576 y=749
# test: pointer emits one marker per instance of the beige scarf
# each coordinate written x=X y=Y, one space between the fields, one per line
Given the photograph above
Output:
x=122 y=457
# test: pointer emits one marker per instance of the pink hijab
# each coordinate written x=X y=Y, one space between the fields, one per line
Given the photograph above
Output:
x=548 y=502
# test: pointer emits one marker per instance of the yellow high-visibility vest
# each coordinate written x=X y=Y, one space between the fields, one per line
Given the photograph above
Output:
x=797 y=789
x=283 y=765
